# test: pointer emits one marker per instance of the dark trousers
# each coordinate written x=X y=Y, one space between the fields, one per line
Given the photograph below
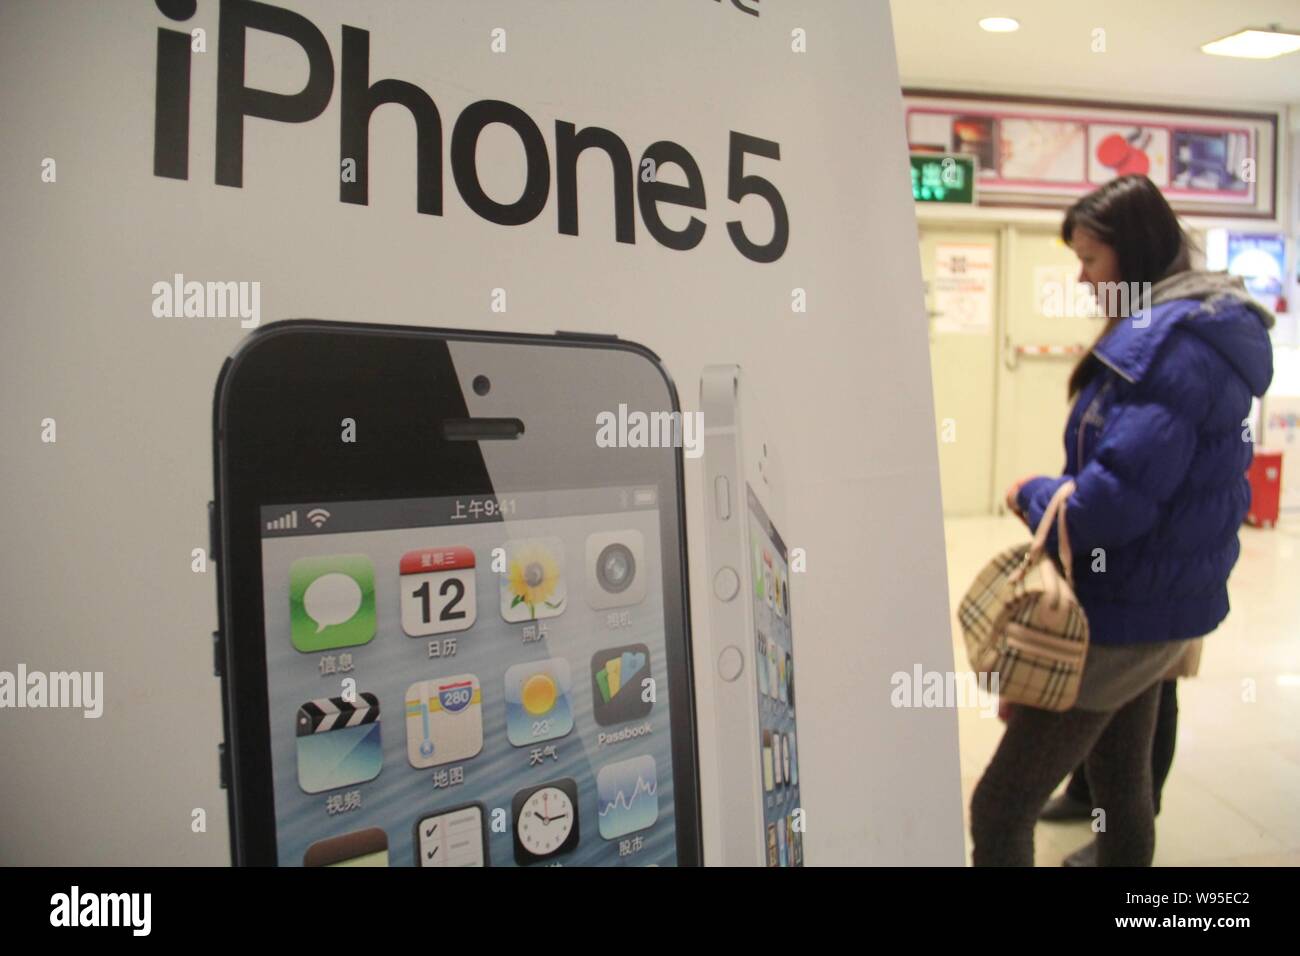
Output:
x=1162 y=749
x=1038 y=749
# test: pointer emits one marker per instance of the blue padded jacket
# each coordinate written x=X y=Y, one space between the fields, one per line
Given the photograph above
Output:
x=1158 y=445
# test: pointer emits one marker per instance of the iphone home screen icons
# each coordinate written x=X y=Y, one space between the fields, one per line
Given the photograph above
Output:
x=533 y=586
x=538 y=704
x=455 y=837
x=339 y=742
x=331 y=602
x=333 y=605
x=437 y=587
x=444 y=720
x=620 y=681
x=615 y=569
x=545 y=821
x=627 y=797
x=360 y=848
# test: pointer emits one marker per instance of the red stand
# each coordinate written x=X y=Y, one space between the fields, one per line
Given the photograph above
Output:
x=1265 y=477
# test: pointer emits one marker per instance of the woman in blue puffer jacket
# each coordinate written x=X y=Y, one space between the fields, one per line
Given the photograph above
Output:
x=1157 y=443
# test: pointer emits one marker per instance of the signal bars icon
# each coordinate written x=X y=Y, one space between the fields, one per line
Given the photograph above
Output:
x=285 y=522
x=289 y=520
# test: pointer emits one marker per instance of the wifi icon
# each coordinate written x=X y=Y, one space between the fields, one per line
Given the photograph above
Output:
x=318 y=516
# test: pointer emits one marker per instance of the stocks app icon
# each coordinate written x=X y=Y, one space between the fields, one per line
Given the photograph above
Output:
x=627 y=797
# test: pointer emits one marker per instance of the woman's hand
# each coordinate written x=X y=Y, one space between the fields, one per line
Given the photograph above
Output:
x=1012 y=492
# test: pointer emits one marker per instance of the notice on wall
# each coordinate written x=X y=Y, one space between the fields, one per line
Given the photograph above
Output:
x=963 y=288
x=1282 y=433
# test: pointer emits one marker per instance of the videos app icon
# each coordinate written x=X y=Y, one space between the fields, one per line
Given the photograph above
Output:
x=338 y=742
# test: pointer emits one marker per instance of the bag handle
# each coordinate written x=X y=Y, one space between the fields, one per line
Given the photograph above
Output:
x=1055 y=511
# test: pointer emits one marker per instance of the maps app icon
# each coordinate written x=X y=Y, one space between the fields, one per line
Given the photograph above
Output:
x=444 y=720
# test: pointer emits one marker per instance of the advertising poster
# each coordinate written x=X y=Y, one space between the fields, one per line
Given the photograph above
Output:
x=455 y=544
x=1260 y=259
x=1282 y=433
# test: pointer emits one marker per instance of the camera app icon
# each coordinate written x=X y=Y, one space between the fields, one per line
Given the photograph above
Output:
x=615 y=569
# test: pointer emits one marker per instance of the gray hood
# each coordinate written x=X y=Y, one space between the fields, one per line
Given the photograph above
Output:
x=1208 y=287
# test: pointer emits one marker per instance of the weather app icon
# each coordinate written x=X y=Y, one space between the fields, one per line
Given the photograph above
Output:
x=627 y=796
x=537 y=701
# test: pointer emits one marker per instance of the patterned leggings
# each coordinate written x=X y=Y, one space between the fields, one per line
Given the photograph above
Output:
x=1038 y=749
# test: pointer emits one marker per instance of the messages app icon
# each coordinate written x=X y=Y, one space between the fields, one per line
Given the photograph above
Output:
x=331 y=602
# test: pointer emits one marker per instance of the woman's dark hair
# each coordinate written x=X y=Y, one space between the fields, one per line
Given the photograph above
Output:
x=1130 y=215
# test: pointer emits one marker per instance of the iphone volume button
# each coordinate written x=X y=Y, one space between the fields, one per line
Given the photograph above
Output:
x=223 y=766
x=731 y=663
x=214 y=541
x=213 y=536
x=722 y=497
x=726 y=584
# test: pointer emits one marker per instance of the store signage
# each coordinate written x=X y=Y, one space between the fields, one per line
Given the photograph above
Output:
x=943 y=178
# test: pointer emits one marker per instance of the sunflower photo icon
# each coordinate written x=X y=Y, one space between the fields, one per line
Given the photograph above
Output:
x=533 y=586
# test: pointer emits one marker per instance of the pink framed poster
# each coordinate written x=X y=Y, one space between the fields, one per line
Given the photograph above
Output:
x=1045 y=152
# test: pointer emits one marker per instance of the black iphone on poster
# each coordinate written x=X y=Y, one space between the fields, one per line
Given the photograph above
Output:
x=454 y=629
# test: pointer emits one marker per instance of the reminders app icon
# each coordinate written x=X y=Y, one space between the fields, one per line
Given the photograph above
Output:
x=338 y=742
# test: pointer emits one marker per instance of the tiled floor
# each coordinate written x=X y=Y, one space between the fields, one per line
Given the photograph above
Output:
x=1233 y=795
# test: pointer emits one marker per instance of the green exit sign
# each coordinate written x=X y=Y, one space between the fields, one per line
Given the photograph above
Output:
x=940 y=178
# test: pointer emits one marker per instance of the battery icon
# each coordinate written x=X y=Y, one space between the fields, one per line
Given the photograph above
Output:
x=643 y=497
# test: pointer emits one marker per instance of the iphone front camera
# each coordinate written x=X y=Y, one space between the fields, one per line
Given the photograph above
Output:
x=482 y=385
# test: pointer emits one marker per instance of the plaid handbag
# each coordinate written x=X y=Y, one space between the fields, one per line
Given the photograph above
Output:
x=1022 y=621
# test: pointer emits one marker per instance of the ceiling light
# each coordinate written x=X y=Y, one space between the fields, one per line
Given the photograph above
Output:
x=999 y=24
x=1254 y=44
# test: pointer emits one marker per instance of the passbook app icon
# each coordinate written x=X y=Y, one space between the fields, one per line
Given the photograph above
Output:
x=619 y=679
x=338 y=742
x=331 y=602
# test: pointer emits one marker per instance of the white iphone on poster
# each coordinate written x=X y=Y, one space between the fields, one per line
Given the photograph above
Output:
x=750 y=625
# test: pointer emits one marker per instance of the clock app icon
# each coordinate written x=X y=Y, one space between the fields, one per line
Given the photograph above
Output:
x=546 y=821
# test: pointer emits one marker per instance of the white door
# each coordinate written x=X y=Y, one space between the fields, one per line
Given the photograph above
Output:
x=960 y=268
x=1047 y=325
